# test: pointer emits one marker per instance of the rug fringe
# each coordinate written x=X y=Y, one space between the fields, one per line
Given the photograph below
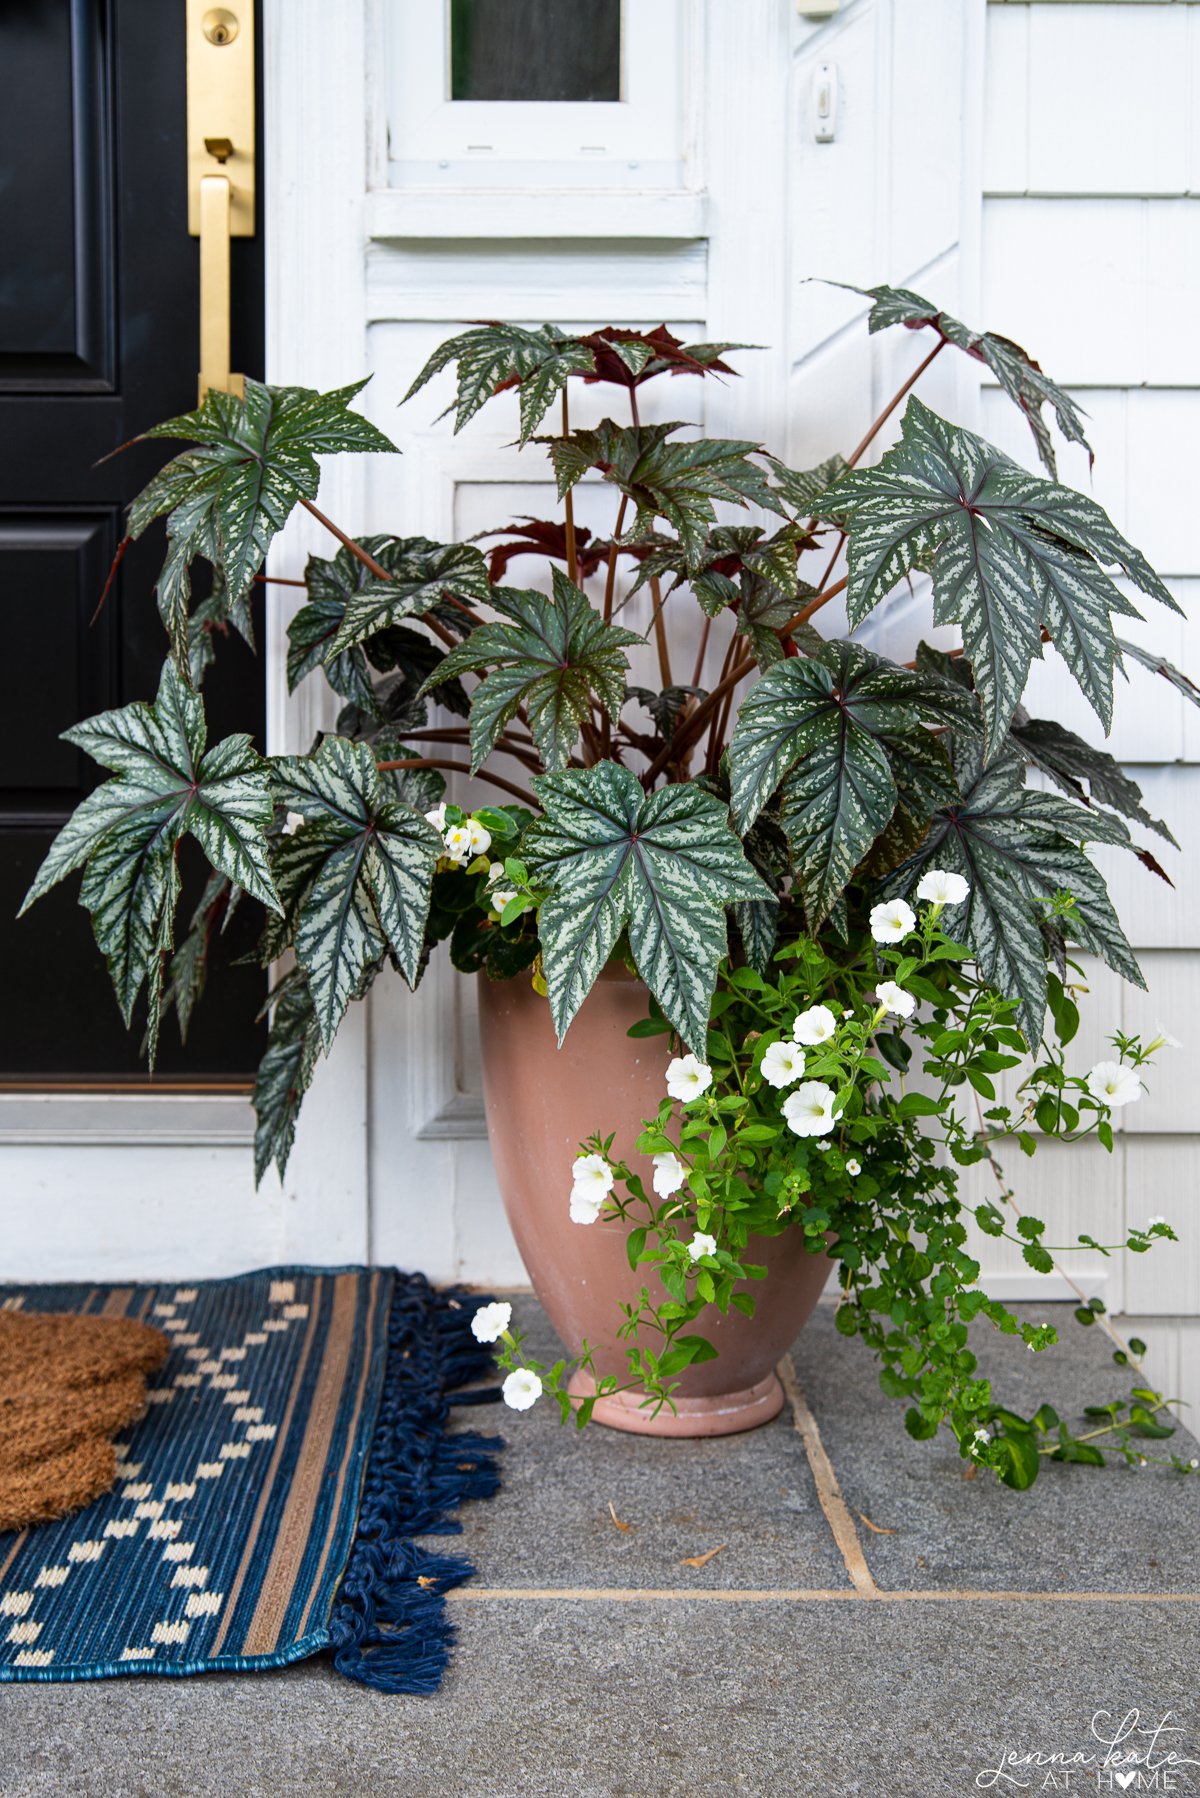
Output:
x=389 y=1628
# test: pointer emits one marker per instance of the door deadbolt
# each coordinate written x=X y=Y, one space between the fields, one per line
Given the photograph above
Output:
x=219 y=26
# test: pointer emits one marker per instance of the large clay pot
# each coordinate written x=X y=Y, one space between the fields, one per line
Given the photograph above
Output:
x=542 y=1102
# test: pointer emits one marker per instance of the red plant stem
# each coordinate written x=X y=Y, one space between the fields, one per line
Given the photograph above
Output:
x=698 y=670
x=368 y=561
x=279 y=580
x=506 y=745
x=610 y=581
x=687 y=732
x=855 y=454
x=572 y=560
x=424 y=761
x=660 y=631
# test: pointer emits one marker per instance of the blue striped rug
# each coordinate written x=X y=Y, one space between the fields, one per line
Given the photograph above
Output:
x=294 y=1444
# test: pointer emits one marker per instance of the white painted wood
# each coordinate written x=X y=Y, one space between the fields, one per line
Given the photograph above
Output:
x=1124 y=279
x=1131 y=67
x=440 y=144
x=533 y=211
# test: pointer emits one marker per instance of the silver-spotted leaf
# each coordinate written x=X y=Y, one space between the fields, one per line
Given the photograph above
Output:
x=662 y=866
x=355 y=877
x=548 y=655
x=255 y=459
x=1009 y=554
x=678 y=480
x=1019 y=376
x=125 y=835
x=1017 y=854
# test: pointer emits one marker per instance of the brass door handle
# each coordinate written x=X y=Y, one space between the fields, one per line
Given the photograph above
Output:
x=220 y=141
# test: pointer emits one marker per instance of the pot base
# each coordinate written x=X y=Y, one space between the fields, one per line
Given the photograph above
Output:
x=720 y=1414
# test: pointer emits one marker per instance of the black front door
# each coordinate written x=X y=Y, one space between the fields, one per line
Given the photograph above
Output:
x=98 y=340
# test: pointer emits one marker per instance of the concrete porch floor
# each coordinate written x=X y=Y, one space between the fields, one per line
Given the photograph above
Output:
x=814 y=1654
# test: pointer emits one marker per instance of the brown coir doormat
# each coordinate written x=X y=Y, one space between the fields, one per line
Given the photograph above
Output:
x=68 y=1384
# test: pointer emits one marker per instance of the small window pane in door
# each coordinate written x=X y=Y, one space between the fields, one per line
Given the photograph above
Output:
x=535 y=50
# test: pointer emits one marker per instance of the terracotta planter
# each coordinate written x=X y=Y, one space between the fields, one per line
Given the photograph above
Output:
x=543 y=1101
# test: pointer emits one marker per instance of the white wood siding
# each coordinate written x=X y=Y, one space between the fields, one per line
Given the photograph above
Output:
x=1090 y=257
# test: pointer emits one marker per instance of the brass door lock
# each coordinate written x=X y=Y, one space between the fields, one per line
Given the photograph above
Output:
x=221 y=171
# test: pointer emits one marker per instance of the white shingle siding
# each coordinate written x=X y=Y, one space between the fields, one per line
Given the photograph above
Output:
x=1090 y=257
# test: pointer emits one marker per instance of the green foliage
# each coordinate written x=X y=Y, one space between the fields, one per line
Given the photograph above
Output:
x=1019 y=850
x=1020 y=377
x=126 y=834
x=549 y=659
x=661 y=866
x=354 y=878
x=678 y=481
x=1010 y=555
x=538 y=363
x=284 y=1073
x=874 y=1183
x=845 y=727
x=226 y=499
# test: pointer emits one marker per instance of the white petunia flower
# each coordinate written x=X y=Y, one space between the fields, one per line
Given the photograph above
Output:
x=1162 y=1039
x=687 y=1078
x=783 y=1064
x=669 y=1174
x=1155 y=1220
x=816 y=1025
x=480 y=839
x=854 y=1168
x=941 y=888
x=586 y=1205
x=591 y=1173
x=437 y=817
x=1115 y=1084
x=293 y=822
x=894 y=998
x=892 y=922
x=522 y=1388
x=490 y=1321
x=809 y=1110
x=824 y=1143
x=701 y=1245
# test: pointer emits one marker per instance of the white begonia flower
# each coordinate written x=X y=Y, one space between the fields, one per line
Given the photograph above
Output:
x=687 y=1078
x=854 y=1168
x=809 y=1110
x=437 y=817
x=1193 y=1463
x=942 y=888
x=1162 y=1039
x=490 y=1321
x=500 y=897
x=458 y=844
x=522 y=1388
x=293 y=822
x=892 y=922
x=894 y=998
x=586 y=1205
x=495 y=873
x=669 y=1174
x=816 y=1025
x=1114 y=1083
x=480 y=839
x=701 y=1245
x=783 y=1064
